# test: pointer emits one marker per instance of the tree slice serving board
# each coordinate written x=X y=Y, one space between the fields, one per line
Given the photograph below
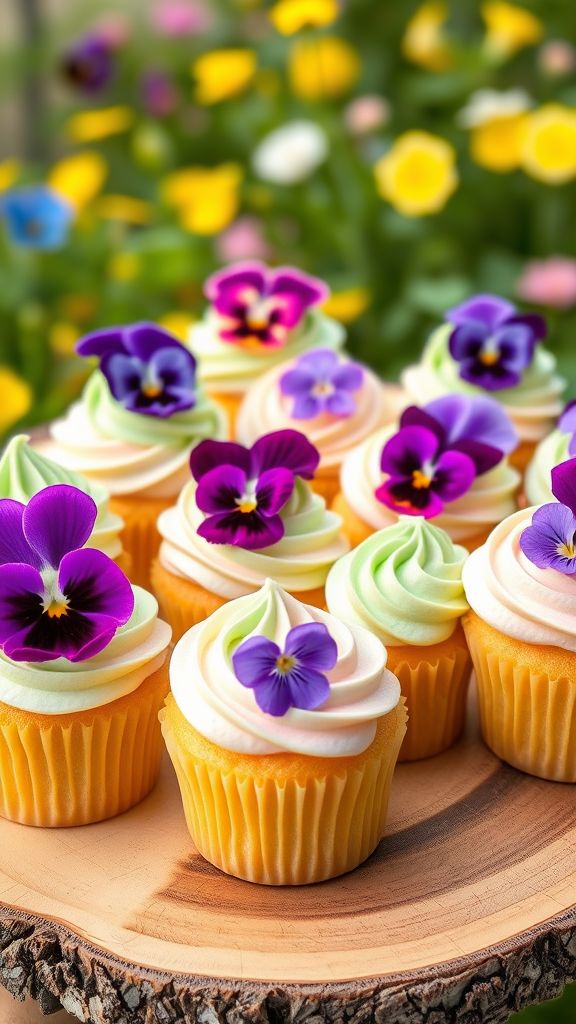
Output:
x=465 y=912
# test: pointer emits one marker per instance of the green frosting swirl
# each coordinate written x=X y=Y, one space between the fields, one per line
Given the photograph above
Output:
x=404 y=584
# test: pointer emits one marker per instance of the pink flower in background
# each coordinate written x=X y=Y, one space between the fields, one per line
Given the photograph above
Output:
x=366 y=114
x=114 y=29
x=159 y=94
x=180 y=17
x=243 y=240
x=557 y=57
x=550 y=282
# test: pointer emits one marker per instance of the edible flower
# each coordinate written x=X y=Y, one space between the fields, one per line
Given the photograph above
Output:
x=292 y=678
x=57 y=598
x=258 y=306
x=550 y=541
x=242 y=490
x=36 y=217
x=567 y=424
x=321 y=383
x=147 y=369
x=88 y=65
x=492 y=342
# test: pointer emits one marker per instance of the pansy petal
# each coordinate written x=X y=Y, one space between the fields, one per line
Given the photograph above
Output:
x=174 y=366
x=535 y=323
x=489 y=310
x=273 y=696
x=497 y=377
x=454 y=475
x=93 y=583
x=254 y=660
x=553 y=527
x=124 y=375
x=417 y=416
x=144 y=339
x=21 y=589
x=348 y=377
x=275 y=487
x=467 y=340
x=249 y=530
x=250 y=274
x=406 y=500
x=289 y=449
x=484 y=456
x=306 y=407
x=73 y=636
x=209 y=454
x=102 y=343
x=341 y=403
x=58 y=519
x=312 y=645
x=308 y=688
x=13 y=544
x=321 y=363
x=516 y=344
x=220 y=490
x=567 y=421
x=408 y=450
x=474 y=418
x=564 y=483
x=298 y=381
x=308 y=290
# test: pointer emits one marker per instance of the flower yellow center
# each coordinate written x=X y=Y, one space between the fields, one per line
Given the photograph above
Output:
x=324 y=388
x=151 y=390
x=56 y=609
x=247 y=505
x=489 y=357
x=285 y=663
x=567 y=550
x=420 y=481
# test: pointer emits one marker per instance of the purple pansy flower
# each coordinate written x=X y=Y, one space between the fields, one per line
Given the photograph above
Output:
x=492 y=342
x=89 y=63
x=320 y=382
x=292 y=678
x=57 y=598
x=259 y=306
x=147 y=369
x=550 y=541
x=242 y=490
x=567 y=424
x=473 y=424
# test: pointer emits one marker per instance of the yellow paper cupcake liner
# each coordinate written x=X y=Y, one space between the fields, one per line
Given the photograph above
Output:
x=140 y=535
x=61 y=770
x=283 y=819
x=183 y=603
x=327 y=484
x=527 y=699
x=356 y=530
x=522 y=455
x=230 y=403
x=434 y=680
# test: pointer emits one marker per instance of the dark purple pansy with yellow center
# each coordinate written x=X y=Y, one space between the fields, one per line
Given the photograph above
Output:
x=550 y=541
x=241 y=491
x=567 y=424
x=439 y=451
x=493 y=343
x=148 y=370
x=292 y=678
x=259 y=306
x=321 y=382
x=57 y=598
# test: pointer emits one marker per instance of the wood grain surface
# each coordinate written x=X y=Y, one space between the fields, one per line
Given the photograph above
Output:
x=465 y=912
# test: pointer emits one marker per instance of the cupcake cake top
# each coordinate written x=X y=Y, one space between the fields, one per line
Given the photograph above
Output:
x=488 y=347
x=335 y=400
x=557 y=447
x=249 y=513
x=446 y=460
x=140 y=414
x=24 y=472
x=74 y=634
x=404 y=584
x=257 y=318
x=267 y=674
x=523 y=580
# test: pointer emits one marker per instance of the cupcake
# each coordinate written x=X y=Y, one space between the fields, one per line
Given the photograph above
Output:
x=283 y=725
x=559 y=446
x=446 y=461
x=246 y=515
x=488 y=347
x=82 y=669
x=521 y=587
x=404 y=584
x=24 y=472
x=257 y=318
x=338 y=403
x=133 y=430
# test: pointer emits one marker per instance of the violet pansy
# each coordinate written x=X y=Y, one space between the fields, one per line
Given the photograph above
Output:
x=567 y=424
x=550 y=541
x=321 y=382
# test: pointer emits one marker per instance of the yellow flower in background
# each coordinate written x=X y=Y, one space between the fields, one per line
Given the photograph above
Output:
x=9 y=172
x=347 y=305
x=322 y=68
x=290 y=16
x=16 y=398
x=79 y=178
x=207 y=198
x=62 y=338
x=178 y=322
x=124 y=266
x=549 y=146
x=423 y=42
x=93 y=125
x=222 y=74
x=497 y=122
x=418 y=174
x=125 y=208
x=509 y=28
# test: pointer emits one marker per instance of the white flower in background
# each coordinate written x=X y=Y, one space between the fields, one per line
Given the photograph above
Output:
x=291 y=153
x=490 y=105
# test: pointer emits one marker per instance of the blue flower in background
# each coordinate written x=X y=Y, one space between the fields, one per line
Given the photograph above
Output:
x=36 y=217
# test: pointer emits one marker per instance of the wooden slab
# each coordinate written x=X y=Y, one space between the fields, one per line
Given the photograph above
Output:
x=466 y=910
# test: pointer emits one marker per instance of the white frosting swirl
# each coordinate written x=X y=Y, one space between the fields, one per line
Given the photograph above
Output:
x=491 y=497
x=210 y=697
x=61 y=686
x=538 y=479
x=510 y=593
x=299 y=561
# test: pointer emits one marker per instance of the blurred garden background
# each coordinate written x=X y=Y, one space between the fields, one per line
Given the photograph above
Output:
x=409 y=153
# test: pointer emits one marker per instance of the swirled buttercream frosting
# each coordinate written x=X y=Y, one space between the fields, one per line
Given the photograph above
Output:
x=210 y=697
x=550 y=452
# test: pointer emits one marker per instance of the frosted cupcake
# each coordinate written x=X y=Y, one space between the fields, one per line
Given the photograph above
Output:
x=337 y=402
x=246 y=515
x=140 y=416
x=284 y=726
x=488 y=347
x=446 y=461
x=404 y=584
x=258 y=318
x=82 y=669
x=559 y=446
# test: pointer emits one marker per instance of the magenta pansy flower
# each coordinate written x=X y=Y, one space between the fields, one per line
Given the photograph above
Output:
x=241 y=491
x=550 y=541
x=148 y=370
x=292 y=678
x=320 y=382
x=259 y=306
x=57 y=598
x=492 y=343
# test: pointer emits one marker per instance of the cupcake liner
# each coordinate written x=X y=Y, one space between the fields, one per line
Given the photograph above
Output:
x=184 y=603
x=527 y=699
x=230 y=403
x=62 y=770
x=356 y=530
x=327 y=484
x=522 y=455
x=283 y=819
x=140 y=535
x=434 y=680
x=124 y=562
